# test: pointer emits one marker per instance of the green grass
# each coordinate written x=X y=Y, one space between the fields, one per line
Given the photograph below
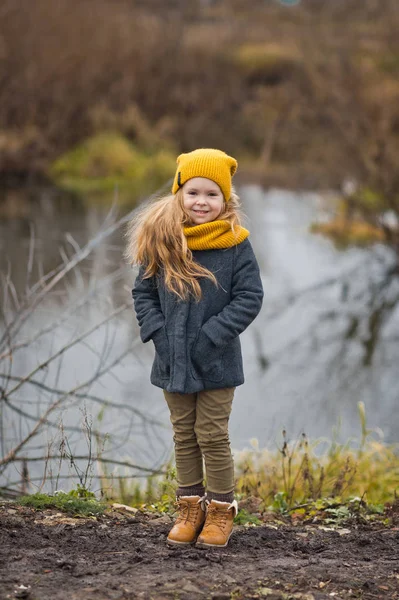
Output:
x=244 y=517
x=69 y=502
x=109 y=161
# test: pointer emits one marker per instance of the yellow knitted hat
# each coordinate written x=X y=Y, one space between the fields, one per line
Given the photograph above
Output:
x=206 y=162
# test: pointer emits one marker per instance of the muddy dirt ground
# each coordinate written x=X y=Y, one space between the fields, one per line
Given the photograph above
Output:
x=124 y=556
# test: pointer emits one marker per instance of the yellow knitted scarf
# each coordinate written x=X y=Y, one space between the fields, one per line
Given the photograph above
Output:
x=213 y=235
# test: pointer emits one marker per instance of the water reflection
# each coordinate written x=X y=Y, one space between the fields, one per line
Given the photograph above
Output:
x=315 y=350
x=314 y=294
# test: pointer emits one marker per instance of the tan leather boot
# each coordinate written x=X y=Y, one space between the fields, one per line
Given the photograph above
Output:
x=218 y=524
x=189 y=521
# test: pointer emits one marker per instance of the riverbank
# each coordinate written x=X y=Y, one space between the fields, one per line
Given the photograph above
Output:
x=19 y=191
x=47 y=555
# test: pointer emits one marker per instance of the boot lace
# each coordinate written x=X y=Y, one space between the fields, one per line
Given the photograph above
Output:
x=216 y=516
x=188 y=512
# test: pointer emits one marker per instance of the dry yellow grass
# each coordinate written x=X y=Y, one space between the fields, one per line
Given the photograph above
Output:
x=298 y=472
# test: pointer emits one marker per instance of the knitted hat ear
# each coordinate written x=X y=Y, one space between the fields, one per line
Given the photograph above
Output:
x=233 y=167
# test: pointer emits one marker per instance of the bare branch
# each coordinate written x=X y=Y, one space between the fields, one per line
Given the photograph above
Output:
x=65 y=348
x=42 y=420
x=84 y=457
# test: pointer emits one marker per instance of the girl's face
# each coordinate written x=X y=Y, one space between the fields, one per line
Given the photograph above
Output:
x=202 y=199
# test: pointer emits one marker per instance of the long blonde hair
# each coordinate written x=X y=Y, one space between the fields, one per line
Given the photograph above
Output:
x=157 y=241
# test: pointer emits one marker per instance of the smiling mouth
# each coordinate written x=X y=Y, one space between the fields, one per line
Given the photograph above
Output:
x=200 y=212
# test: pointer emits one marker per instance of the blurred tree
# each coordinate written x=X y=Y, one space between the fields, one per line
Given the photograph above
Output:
x=305 y=96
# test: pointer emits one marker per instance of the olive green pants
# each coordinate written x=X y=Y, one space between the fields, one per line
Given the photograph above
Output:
x=200 y=424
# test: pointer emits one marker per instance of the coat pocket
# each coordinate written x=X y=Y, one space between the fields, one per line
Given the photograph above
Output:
x=162 y=357
x=207 y=359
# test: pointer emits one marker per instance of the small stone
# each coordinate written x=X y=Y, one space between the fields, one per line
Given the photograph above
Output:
x=250 y=504
x=125 y=507
x=165 y=519
x=228 y=579
x=191 y=588
x=22 y=591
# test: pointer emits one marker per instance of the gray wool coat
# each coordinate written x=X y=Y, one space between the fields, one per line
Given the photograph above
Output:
x=197 y=345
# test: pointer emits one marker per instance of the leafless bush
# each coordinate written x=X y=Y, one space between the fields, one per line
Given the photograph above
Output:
x=64 y=317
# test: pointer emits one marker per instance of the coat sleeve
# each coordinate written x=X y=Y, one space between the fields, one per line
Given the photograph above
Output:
x=147 y=306
x=246 y=301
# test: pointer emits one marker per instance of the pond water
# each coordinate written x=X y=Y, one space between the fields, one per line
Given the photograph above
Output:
x=326 y=338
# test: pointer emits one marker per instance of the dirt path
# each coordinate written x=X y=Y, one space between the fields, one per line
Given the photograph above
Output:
x=120 y=556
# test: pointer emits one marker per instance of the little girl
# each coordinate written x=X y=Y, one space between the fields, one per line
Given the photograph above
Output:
x=197 y=289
